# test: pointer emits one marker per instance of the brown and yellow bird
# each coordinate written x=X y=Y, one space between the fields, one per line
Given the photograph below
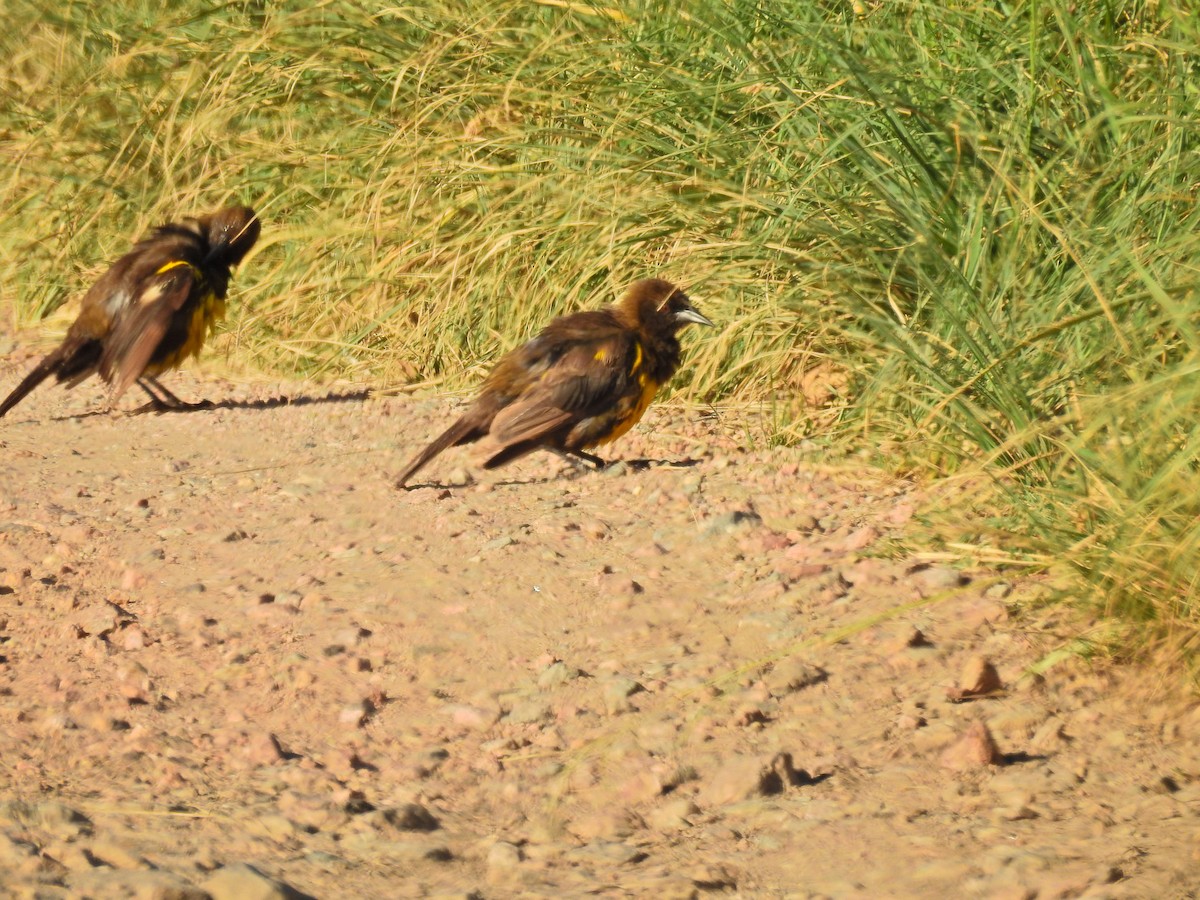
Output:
x=584 y=381
x=152 y=309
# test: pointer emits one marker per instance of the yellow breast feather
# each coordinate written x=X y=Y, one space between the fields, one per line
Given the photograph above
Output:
x=632 y=409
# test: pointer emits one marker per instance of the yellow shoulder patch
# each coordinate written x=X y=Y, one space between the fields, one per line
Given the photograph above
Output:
x=173 y=264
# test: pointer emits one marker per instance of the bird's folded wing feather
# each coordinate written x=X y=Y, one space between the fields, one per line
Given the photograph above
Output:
x=141 y=327
x=585 y=376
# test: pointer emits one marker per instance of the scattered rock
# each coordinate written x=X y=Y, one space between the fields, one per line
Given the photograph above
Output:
x=1049 y=736
x=275 y=827
x=104 y=619
x=556 y=675
x=499 y=543
x=240 y=881
x=117 y=855
x=792 y=674
x=910 y=637
x=147 y=885
x=673 y=815
x=526 y=712
x=611 y=852
x=474 y=717
x=998 y=591
x=61 y=820
x=744 y=777
x=979 y=679
x=617 y=693
x=459 y=477
x=262 y=749
x=714 y=877
x=609 y=824
x=356 y=714
x=410 y=817
x=860 y=539
x=975 y=748
x=14 y=852
x=934 y=579
x=733 y=520
x=503 y=857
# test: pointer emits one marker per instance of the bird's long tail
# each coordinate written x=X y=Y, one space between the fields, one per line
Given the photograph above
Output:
x=50 y=365
x=465 y=430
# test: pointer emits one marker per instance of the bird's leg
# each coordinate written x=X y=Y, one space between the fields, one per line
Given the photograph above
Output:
x=156 y=404
x=577 y=458
x=164 y=393
x=162 y=400
x=590 y=458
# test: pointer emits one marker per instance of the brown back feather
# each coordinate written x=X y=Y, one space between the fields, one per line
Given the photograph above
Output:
x=138 y=333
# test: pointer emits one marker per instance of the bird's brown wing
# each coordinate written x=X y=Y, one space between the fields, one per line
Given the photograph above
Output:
x=584 y=378
x=141 y=327
x=516 y=390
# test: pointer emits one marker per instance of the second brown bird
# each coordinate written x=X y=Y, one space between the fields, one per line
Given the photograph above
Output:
x=584 y=381
x=152 y=309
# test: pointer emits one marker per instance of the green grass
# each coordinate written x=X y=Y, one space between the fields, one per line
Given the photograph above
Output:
x=968 y=232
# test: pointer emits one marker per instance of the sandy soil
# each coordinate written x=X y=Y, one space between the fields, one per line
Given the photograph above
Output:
x=236 y=662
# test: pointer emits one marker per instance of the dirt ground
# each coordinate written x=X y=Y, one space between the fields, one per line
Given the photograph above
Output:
x=236 y=662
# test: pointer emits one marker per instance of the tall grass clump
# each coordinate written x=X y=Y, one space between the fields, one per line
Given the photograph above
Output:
x=1019 y=262
x=968 y=230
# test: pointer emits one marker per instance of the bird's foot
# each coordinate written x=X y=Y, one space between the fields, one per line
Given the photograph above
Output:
x=162 y=400
x=581 y=462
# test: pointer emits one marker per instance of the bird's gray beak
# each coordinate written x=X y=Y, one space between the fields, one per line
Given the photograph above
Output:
x=690 y=315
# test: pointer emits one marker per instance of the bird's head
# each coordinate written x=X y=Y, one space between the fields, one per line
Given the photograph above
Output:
x=660 y=306
x=231 y=233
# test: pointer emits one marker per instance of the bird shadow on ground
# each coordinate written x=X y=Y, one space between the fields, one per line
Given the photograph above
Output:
x=617 y=467
x=1012 y=759
x=208 y=405
x=644 y=465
